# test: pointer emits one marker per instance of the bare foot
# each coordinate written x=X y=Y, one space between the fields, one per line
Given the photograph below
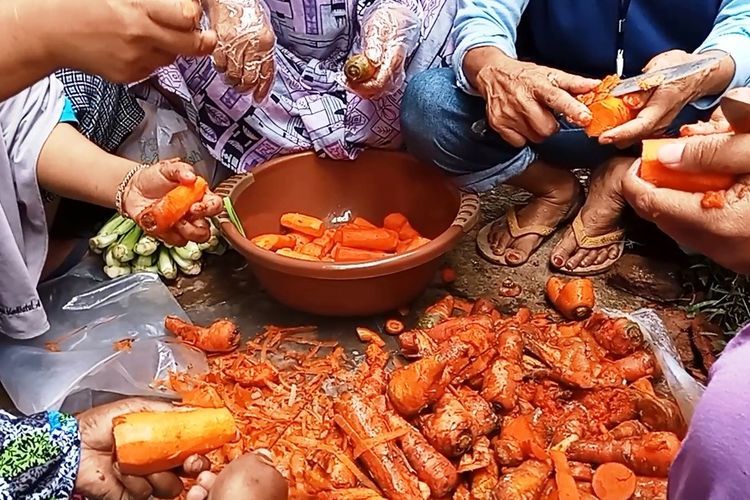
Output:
x=600 y=215
x=556 y=192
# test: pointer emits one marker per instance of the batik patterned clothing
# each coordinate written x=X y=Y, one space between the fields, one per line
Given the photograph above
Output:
x=309 y=108
x=39 y=456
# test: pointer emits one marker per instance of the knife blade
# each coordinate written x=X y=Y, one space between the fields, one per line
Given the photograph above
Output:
x=653 y=79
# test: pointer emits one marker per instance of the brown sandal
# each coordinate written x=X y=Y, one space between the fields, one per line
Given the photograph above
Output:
x=587 y=242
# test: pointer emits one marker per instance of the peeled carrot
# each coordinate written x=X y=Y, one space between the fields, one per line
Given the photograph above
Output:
x=399 y=223
x=300 y=240
x=566 y=484
x=287 y=252
x=304 y=224
x=654 y=172
x=607 y=114
x=575 y=299
x=613 y=481
x=313 y=250
x=362 y=222
x=326 y=241
x=161 y=215
x=383 y=240
x=150 y=442
x=346 y=254
x=274 y=241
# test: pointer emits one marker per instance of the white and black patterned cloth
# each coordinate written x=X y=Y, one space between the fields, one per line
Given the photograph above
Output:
x=107 y=113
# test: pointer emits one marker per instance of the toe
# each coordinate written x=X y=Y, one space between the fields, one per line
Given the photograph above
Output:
x=602 y=257
x=591 y=257
x=521 y=249
x=564 y=249
x=575 y=260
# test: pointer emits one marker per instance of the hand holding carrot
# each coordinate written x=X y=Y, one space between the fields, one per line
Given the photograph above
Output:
x=98 y=474
x=156 y=184
x=719 y=232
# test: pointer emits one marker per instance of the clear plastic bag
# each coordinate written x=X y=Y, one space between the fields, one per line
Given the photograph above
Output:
x=162 y=135
x=88 y=316
x=685 y=389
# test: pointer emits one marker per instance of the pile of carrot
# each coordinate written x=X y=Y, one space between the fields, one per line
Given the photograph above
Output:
x=475 y=404
x=308 y=238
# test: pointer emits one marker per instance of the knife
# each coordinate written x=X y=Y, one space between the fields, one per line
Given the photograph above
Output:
x=652 y=79
x=642 y=82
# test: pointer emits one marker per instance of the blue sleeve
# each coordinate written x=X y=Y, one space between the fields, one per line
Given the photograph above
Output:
x=68 y=115
x=39 y=455
x=730 y=34
x=484 y=23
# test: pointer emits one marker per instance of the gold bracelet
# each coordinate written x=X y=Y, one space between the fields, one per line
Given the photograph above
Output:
x=124 y=184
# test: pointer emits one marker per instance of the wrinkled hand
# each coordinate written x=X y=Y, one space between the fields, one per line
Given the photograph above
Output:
x=665 y=101
x=245 y=51
x=722 y=234
x=249 y=477
x=390 y=31
x=153 y=182
x=98 y=476
x=126 y=40
x=523 y=99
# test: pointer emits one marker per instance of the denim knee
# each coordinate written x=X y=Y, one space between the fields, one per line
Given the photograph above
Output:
x=436 y=123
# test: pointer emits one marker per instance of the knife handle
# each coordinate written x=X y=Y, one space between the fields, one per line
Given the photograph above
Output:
x=736 y=108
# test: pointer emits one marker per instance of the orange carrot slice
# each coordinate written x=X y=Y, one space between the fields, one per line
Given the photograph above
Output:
x=394 y=327
x=399 y=223
x=383 y=240
x=274 y=241
x=654 y=172
x=362 y=222
x=288 y=252
x=163 y=214
x=409 y=245
x=313 y=250
x=304 y=224
x=613 y=481
x=347 y=254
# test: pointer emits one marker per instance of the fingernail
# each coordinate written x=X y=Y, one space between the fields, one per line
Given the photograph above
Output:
x=605 y=140
x=671 y=154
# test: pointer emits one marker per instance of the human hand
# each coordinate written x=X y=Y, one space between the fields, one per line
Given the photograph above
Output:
x=153 y=182
x=250 y=477
x=665 y=102
x=246 y=44
x=390 y=31
x=98 y=475
x=125 y=40
x=523 y=98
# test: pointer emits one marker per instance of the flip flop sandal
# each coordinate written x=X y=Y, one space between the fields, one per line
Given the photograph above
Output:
x=583 y=240
x=510 y=223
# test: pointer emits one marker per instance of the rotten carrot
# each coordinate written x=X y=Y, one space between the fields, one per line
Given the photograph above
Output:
x=383 y=240
x=305 y=224
x=653 y=172
x=613 y=481
x=274 y=242
x=574 y=299
x=150 y=442
x=163 y=214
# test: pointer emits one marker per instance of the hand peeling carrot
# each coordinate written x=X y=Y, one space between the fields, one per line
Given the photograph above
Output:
x=150 y=442
x=607 y=114
x=163 y=214
x=573 y=299
x=652 y=171
x=613 y=481
x=304 y=224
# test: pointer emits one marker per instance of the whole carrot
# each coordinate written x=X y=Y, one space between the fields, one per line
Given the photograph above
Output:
x=163 y=214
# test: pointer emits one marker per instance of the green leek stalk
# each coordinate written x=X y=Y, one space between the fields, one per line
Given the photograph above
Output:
x=123 y=251
x=147 y=245
x=166 y=265
x=106 y=235
x=191 y=251
x=189 y=267
x=116 y=271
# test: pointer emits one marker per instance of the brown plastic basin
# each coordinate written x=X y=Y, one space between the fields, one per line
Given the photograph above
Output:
x=376 y=184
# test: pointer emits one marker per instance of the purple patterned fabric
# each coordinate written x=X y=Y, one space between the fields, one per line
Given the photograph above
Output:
x=308 y=107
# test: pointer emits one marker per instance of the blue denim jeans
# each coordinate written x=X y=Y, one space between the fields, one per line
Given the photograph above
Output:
x=436 y=123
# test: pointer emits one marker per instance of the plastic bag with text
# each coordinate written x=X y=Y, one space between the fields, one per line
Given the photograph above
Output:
x=84 y=358
x=162 y=135
x=685 y=389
